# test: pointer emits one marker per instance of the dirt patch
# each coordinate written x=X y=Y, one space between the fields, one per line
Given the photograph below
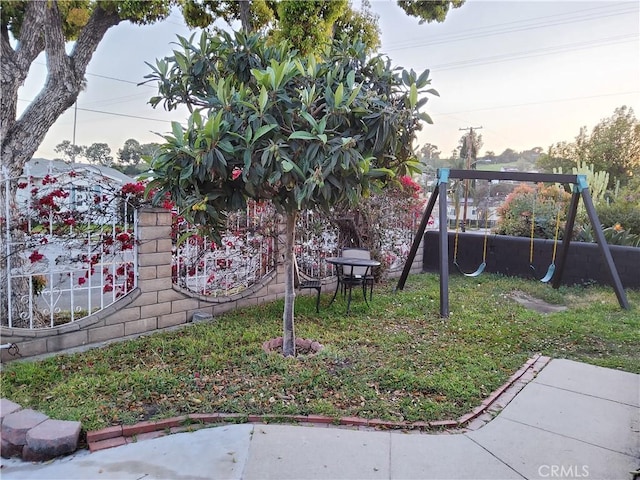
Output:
x=303 y=347
x=535 y=304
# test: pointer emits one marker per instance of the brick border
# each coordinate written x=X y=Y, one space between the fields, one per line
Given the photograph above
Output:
x=121 y=435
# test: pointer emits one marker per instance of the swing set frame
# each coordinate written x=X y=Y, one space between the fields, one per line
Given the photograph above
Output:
x=580 y=189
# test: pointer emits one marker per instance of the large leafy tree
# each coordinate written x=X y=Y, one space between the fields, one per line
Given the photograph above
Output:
x=301 y=131
x=47 y=26
x=613 y=146
x=28 y=28
x=70 y=151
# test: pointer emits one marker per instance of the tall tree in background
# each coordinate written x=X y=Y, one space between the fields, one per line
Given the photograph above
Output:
x=130 y=153
x=428 y=156
x=470 y=145
x=559 y=156
x=99 y=154
x=613 y=147
x=69 y=151
x=301 y=131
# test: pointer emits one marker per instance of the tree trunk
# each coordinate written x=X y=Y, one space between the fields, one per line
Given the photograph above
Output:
x=245 y=16
x=288 y=333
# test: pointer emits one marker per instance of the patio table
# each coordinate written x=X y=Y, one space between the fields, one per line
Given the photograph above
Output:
x=346 y=278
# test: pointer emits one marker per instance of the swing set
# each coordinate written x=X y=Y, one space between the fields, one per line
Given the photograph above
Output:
x=554 y=272
x=552 y=267
x=483 y=265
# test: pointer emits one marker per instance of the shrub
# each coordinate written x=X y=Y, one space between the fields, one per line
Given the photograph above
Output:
x=623 y=209
x=537 y=204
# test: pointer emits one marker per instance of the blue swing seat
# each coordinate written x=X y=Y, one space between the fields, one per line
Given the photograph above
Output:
x=547 y=276
x=472 y=274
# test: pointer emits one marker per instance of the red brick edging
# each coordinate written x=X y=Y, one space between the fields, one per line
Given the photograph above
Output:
x=123 y=434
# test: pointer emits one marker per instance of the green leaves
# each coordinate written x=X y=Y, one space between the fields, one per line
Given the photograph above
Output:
x=263 y=130
x=302 y=135
x=306 y=132
x=338 y=95
x=287 y=166
x=413 y=96
x=262 y=99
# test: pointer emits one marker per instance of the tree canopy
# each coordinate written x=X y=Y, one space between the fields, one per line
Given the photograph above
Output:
x=28 y=28
x=429 y=10
x=302 y=131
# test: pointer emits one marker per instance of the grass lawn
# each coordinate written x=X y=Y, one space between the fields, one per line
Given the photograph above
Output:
x=396 y=360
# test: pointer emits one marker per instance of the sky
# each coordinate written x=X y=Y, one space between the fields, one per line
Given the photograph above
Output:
x=529 y=73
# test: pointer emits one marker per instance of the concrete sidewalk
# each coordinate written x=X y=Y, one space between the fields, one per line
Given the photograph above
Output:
x=572 y=421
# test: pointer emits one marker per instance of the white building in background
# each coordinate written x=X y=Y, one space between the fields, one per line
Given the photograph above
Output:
x=86 y=185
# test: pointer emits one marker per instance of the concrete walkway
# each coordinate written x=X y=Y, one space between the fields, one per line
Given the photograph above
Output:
x=572 y=421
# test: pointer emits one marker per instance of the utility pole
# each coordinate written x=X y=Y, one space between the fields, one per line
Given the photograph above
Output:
x=75 y=119
x=469 y=153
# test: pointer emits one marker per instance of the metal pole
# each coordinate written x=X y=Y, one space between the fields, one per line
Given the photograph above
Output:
x=418 y=238
x=7 y=259
x=443 y=181
x=566 y=238
x=75 y=118
x=602 y=242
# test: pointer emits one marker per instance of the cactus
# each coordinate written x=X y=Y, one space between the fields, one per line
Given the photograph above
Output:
x=597 y=181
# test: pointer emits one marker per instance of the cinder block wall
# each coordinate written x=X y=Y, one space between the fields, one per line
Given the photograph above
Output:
x=510 y=256
x=154 y=305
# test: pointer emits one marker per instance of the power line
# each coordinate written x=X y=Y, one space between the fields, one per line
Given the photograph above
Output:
x=107 y=77
x=535 y=53
x=484 y=29
x=492 y=30
x=114 y=100
x=559 y=100
x=111 y=113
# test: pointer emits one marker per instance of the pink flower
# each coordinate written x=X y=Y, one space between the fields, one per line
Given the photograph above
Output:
x=236 y=173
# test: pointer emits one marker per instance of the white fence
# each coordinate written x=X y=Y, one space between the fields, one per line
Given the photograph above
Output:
x=68 y=245
x=246 y=254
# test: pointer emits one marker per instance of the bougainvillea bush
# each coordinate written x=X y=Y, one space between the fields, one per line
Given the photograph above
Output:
x=243 y=255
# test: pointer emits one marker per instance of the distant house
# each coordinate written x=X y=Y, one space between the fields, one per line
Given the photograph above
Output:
x=84 y=185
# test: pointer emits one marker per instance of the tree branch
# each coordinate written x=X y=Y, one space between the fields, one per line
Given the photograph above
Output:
x=31 y=41
x=66 y=75
x=54 y=44
x=15 y=63
x=91 y=36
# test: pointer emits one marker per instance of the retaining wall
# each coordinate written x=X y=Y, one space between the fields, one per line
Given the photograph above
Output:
x=510 y=256
x=155 y=304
